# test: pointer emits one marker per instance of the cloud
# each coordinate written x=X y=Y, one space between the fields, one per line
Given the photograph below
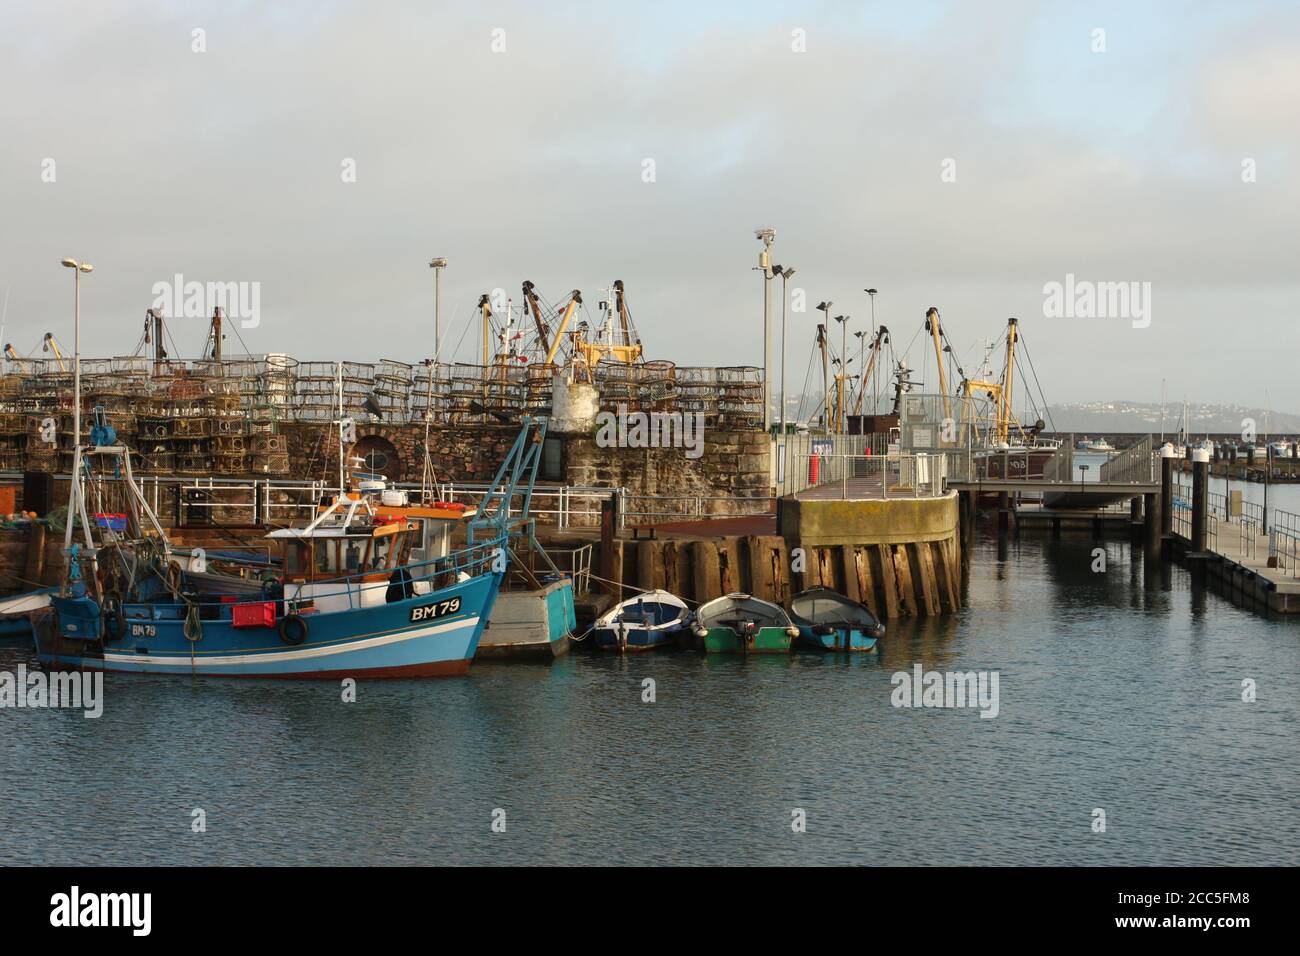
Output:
x=226 y=165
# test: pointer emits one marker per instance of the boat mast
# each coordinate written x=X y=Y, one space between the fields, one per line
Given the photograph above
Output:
x=1005 y=418
x=1162 y=412
x=932 y=324
x=339 y=384
x=881 y=334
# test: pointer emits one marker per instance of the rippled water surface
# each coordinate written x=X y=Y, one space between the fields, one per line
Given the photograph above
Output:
x=1115 y=693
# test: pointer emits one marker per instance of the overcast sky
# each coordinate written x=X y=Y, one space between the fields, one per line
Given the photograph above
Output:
x=1123 y=165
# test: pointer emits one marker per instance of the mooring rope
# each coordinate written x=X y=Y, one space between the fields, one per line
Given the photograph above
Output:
x=635 y=591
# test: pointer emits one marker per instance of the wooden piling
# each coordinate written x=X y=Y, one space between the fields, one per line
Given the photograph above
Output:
x=34 y=569
x=889 y=588
x=707 y=570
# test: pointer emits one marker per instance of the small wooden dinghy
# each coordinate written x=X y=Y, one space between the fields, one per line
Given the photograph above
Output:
x=831 y=622
x=743 y=624
x=642 y=623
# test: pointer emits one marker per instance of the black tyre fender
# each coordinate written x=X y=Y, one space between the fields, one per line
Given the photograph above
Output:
x=293 y=629
x=113 y=617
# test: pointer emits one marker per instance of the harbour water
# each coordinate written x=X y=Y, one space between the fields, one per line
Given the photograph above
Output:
x=1113 y=694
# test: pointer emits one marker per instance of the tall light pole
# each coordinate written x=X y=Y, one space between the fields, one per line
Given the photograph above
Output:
x=872 y=294
x=862 y=382
x=437 y=265
x=78 y=268
x=825 y=309
x=843 y=320
x=765 y=266
x=785 y=275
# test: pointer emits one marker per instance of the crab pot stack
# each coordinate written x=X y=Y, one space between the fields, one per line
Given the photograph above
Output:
x=269 y=454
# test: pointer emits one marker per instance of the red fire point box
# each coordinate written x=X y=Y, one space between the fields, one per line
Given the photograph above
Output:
x=260 y=614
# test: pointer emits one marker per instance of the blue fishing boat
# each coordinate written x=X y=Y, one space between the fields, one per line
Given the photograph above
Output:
x=831 y=622
x=347 y=601
x=642 y=623
x=535 y=614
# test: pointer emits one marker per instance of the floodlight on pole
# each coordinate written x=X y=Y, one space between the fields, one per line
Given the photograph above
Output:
x=765 y=266
x=77 y=269
x=437 y=265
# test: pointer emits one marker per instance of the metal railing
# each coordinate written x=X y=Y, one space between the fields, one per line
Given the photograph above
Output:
x=562 y=505
x=1135 y=463
x=1287 y=521
x=687 y=507
x=1284 y=550
x=1182 y=524
x=575 y=562
x=280 y=502
x=265 y=502
x=1248 y=535
x=1007 y=464
x=791 y=478
x=867 y=477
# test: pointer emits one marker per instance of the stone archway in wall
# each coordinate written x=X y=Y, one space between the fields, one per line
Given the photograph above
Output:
x=380 y=455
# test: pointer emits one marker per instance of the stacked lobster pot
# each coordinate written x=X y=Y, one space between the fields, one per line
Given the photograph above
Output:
x=657 y=390
x=316 y=391
x=430 y=391
x=229 y=426
x=41 y=444
x=268 y=453
x=392 y=390
x=697 y=392
x=13 y=423
x=153 y=439
x=740 y=397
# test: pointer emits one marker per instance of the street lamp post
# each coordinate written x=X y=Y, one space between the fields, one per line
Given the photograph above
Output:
x=872 y=294
x=843 y=320
x=785 y=274
x=862 y=382
x=78 y=268
x=825 y=309
x=765 y=266
x=437 y=265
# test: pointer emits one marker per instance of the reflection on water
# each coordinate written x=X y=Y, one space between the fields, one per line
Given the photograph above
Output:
x=1119 y=690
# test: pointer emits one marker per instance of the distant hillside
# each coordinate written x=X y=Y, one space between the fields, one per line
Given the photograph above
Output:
x=1104 y=417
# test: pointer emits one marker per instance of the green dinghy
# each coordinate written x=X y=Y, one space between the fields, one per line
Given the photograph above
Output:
x=743 y=624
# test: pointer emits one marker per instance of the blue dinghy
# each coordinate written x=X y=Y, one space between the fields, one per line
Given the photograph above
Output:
x=642 y=623
x=831 y=622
